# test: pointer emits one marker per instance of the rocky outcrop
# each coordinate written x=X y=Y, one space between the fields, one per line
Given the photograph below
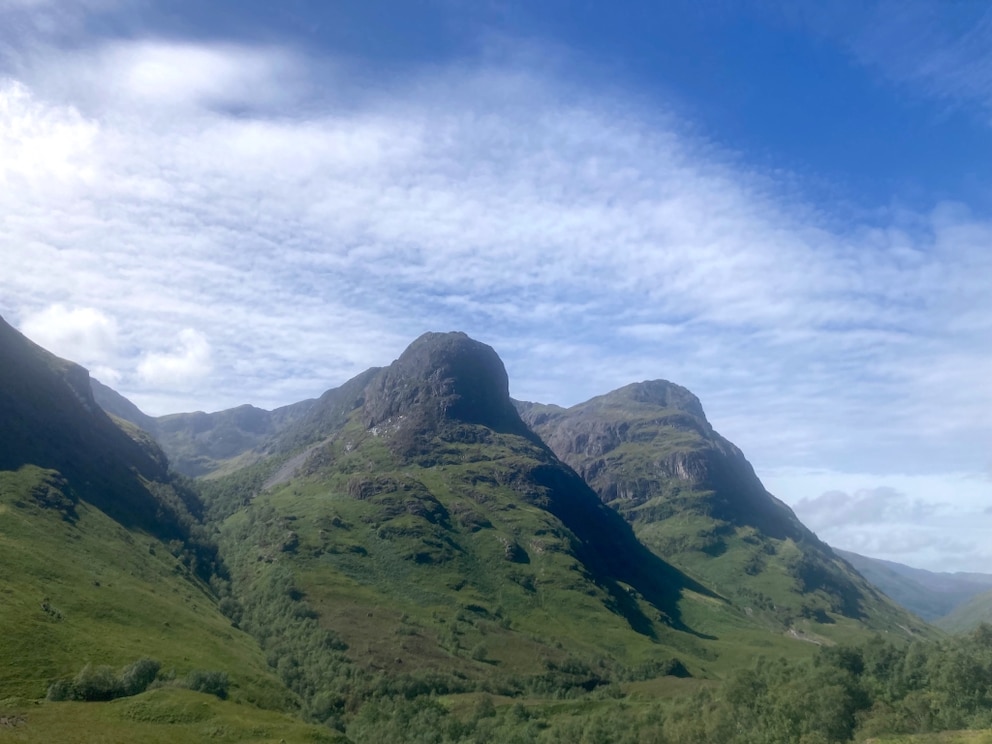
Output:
x=443 y=376
x=651 y=440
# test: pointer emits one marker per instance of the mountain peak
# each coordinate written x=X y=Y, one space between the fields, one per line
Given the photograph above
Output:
x=660 y=393
x=444 y=376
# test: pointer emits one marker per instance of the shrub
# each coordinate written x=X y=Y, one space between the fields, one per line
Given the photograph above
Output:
x=100 y=683
x=210 y=682
x=97 y=683
x=136 y=677
x=61 y=689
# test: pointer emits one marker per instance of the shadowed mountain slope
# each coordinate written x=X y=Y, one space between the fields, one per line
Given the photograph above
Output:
x=649 y=452
x=430 y=526
x=50 y=419
x=104 y=558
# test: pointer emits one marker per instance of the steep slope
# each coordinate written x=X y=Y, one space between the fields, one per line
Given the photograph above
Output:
x=946 y=599
x=649 y=452
x=448 y=549
x=51 y=420
x=104 y=560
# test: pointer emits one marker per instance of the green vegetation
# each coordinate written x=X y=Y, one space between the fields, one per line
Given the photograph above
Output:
x=691 y=496
x=404 y=561
x=88 y=591
x=166 y=715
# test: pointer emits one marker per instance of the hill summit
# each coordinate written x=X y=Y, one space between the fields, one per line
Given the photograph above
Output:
x=649 y=452
x=444 y=376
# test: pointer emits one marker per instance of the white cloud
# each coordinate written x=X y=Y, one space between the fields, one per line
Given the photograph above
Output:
x=938 y=521
x=590 y=241
x=82 y=334
x=882 y=505
x=152 y=77
x=189 y=361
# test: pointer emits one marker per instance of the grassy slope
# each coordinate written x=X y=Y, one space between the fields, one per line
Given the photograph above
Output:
x=692 y=498
x=162 y=716
x=449 y=569
x=88 y=590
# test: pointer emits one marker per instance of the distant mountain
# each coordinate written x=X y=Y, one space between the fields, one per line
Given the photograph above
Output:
x=200 y=443
x=968 y=615
x=953 y=601
x=649 y=452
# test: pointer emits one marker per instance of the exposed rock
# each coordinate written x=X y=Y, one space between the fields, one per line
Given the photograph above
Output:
x=443 y=378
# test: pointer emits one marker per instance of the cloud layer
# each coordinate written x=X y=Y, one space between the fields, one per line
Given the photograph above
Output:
x=211 y=223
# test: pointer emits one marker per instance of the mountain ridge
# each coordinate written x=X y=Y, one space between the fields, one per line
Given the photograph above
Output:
x=649 y=452
x=454 y=379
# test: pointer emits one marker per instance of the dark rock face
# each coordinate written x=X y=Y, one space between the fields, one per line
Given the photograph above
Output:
x=648 y=451
x=443 y=377
x=649 y=438
x=659 y=394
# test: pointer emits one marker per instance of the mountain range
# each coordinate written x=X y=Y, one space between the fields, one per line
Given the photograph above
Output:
x=412 y=532
x=953 y=601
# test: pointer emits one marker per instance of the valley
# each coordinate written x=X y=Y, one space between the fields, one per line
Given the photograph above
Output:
x=413 y=556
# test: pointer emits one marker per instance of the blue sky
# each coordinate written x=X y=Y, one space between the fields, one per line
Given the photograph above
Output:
x=782 y=206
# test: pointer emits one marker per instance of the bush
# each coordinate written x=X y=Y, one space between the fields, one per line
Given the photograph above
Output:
x=210 y=682
x=61 y=689
x=136 y=677
x=97 y=683
x=101 y=683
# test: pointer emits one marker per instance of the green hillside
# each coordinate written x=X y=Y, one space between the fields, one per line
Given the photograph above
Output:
x=79 y=588
x=405 y=559
x=104 y=589
x=445 y=548
x=649 y=452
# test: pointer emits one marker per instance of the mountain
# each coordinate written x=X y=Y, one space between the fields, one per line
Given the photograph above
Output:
x=968 y=615
x=104 y=584
x=437 y=535
x=51 y=420
x=649 y=452
x=405 y=536
x=953 y=601
x=201 y=443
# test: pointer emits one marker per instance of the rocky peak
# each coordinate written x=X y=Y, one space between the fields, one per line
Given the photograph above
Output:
x=656 y=393
x=444 y=377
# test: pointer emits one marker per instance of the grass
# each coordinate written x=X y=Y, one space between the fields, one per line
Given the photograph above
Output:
x=459 y=567
x=88 y=590
x=161 y=716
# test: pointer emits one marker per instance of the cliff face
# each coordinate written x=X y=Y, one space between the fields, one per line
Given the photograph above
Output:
x=651 y=440
x=692 y=497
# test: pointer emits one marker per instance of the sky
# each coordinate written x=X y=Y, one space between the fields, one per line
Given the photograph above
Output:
x=783 y=206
